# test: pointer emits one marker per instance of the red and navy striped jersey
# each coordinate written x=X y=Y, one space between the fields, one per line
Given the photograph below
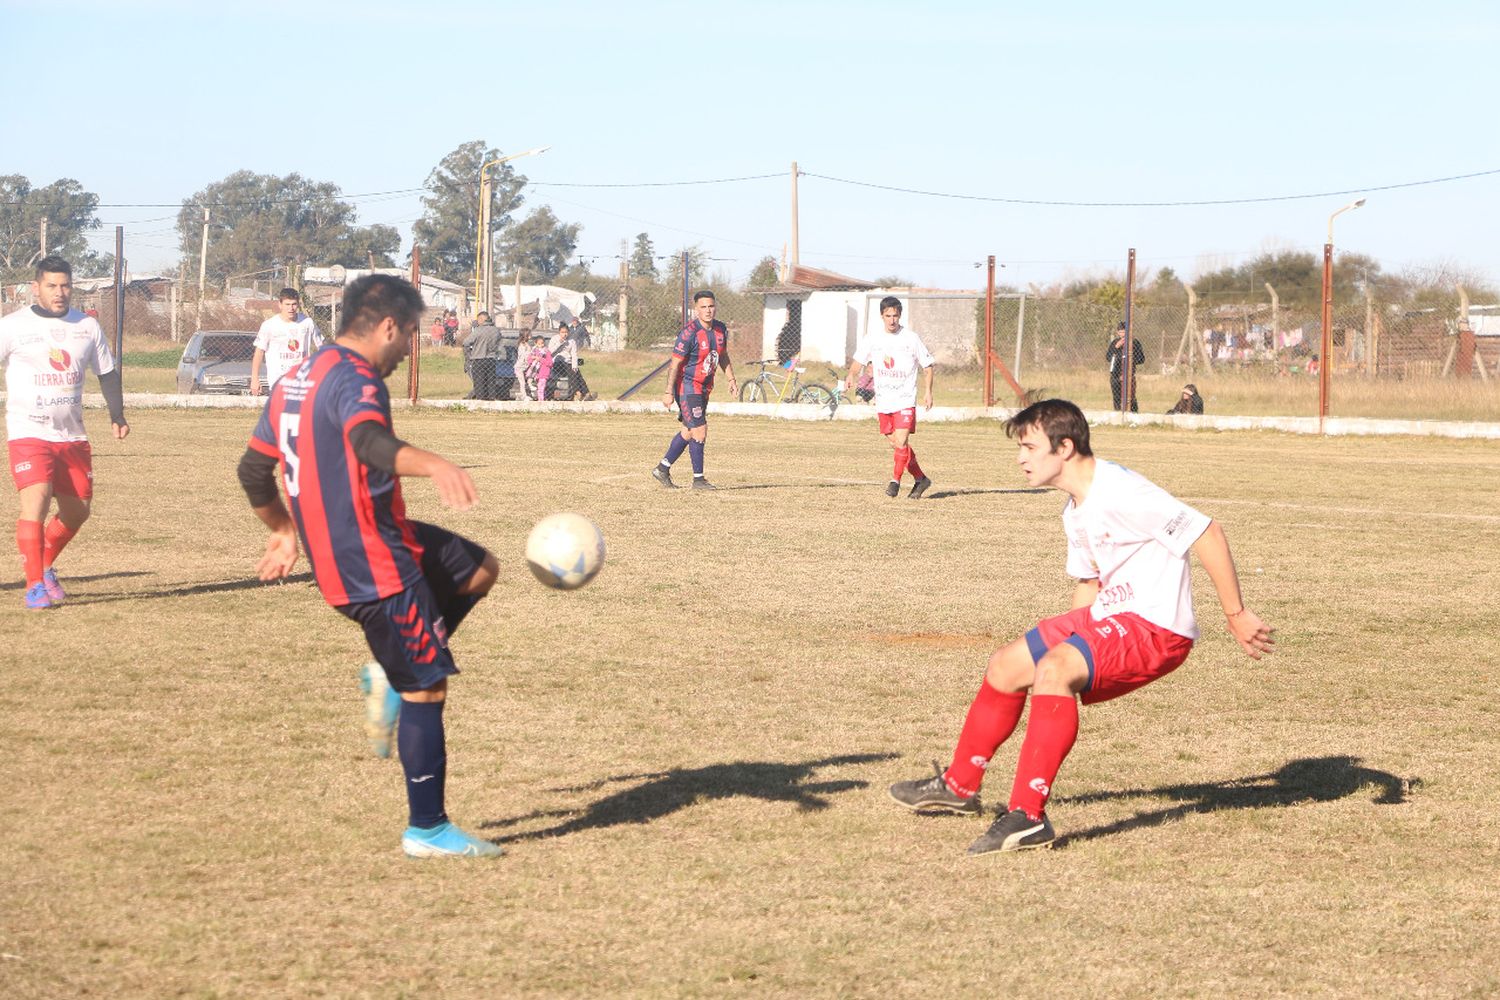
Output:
x=351 y=517
x=701 y=350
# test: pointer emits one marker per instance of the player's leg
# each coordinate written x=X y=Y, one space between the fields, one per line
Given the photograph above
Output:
x=459 y=572
x=32 y=466
x=887 y=425
x=662 y=471
x=920 y=482
x=73 y=489
x=696 y=446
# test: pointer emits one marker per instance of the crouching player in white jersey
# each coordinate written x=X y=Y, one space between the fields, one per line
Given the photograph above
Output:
x=895 y=357
x=1131 y=623
x=46 y=349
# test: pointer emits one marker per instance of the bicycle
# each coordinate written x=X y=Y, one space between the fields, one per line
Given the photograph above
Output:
x=766 y=387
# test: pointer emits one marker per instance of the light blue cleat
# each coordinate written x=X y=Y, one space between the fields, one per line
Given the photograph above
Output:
x=382 y=708
x=446 y=841
x=54 y=589
x=36 y=597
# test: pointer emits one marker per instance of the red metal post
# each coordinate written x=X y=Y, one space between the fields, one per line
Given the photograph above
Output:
x=989 y=336
x=1325 y=351
x=1127 y=393
x=413 y=377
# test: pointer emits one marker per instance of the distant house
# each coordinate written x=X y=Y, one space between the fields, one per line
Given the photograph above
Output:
x=437 y=293
x=821 y=316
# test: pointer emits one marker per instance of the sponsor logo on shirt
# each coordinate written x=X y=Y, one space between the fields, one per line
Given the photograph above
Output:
x=1176 y=524
x=59 y=359
x=889 y=362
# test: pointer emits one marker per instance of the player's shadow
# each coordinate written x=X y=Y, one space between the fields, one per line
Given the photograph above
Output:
x=945 y=494
x=188 y=590
x=69 y=579
x=662 y=793
x=1309 y=779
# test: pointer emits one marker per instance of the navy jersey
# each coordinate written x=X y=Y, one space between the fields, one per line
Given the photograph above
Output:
x=702 y=349
x=351 y=517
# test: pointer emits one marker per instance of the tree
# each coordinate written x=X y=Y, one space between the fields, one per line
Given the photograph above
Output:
x=1297 y=277
x=539 y=244
x=260 y=222
x=764 y=274
x=643 y=258
x=448 y=231
x=69 y=211
x=697 y=258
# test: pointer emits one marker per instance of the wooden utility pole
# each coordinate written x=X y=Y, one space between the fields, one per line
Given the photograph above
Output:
x=202 y=269
x=1127 y=395
x=1275 y=316
x=795 y=259
x=43 y=237
x=413 y=378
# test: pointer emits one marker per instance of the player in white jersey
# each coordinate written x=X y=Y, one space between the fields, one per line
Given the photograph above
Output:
x=895 y=357
x=46 y=349
x=284 y=341
x=1131 y=623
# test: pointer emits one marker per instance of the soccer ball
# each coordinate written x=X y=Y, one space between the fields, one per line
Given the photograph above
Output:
x=565 y=551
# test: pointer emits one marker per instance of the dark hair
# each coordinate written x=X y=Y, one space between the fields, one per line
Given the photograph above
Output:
x=377 y=297
x=1059 y=419
x=53 y=265
x=563 y=325
x=703 y=294
x=289 y=293
x=890 y=302
x=1120 y=327
x=482 y=315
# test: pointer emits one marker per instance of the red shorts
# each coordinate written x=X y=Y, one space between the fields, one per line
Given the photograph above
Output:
x=67 y=465
x=900 y=420
x=1123 y=651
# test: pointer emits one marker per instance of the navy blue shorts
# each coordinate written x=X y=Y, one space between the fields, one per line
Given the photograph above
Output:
x=692 y=409
x=408 y=632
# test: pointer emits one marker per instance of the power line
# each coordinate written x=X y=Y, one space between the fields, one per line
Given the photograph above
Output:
x=1148 y=204
x=655 y=184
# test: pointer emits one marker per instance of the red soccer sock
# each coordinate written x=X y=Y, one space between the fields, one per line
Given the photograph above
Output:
x=1050 y=733
x=55 y=539
x=903 y=456
x=992 y=718
x=911 y=464
x=29 y=543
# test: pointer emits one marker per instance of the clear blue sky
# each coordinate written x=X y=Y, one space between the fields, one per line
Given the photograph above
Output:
x=150 y=101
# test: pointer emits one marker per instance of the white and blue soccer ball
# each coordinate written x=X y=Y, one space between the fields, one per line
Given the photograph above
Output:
x=565 y=550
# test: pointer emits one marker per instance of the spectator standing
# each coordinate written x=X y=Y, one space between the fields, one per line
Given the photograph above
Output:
x=450 y=328
x=481 y=350
x=1114 y=357
x=435 y=332
x=538 y=369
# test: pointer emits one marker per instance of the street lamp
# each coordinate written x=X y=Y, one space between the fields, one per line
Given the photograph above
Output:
x=1325 y=356
x=484 y=251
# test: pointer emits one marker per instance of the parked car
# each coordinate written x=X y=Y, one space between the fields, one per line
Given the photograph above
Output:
x=217 y=362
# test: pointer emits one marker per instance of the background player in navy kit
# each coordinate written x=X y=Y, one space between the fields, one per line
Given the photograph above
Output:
x=701 y=348
x=408 y=584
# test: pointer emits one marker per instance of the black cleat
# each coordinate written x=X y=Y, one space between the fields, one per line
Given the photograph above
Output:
x=922 y=794
x=663 y=475
x=892 y=488
x=1015 y=831
x=699 y=483
x=919 y=487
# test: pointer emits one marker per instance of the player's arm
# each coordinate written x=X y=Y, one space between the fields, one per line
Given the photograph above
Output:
x=255 y=360
x=257 y=474
x=728 y=368
x=377 y=447
x=927 y=387
x=111 y=386
x=673 y=370
x=853 y=380
x=1212 y=550
x=1084 y=593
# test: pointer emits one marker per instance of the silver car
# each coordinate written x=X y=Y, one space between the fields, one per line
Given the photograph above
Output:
x=217 y=362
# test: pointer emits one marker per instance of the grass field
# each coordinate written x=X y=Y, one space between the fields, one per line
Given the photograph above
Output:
x=153 y=369
x=687 y=760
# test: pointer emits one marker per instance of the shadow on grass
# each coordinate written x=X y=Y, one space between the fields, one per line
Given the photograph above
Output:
x=1310 y=779
x=68 y=579
x=190 y=590
x=945 y=494
x=662 y=793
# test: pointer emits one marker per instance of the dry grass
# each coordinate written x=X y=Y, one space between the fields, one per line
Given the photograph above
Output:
x=687 y=759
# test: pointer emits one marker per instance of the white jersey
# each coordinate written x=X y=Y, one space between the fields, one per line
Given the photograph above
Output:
x=45 y=358
x=287 y=345
x=894 y=360
x=1133 y=537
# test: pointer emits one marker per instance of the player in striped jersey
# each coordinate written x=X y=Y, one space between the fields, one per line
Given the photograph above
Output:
x=701 y=349
x=408 y=584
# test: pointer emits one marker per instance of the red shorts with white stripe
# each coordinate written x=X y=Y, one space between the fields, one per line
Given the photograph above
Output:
x=1123 y=651
x=900 y=420
x=67 y=465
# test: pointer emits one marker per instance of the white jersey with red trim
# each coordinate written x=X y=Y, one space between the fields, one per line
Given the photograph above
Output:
x=287 y=345
x=45 y=358
x=1133 y=537
x=894 y=360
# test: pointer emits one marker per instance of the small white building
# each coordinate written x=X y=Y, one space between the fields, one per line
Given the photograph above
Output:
x=821 y=316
